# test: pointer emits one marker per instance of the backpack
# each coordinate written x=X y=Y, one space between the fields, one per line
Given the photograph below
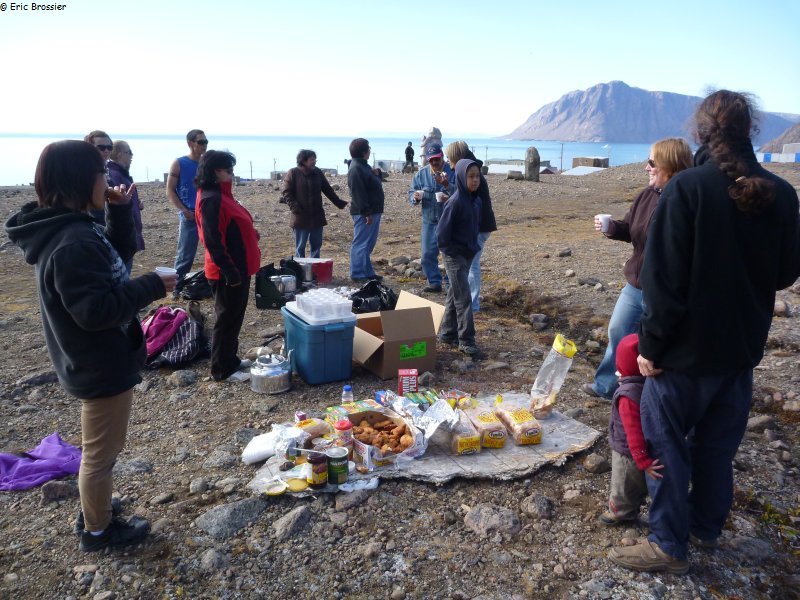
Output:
x=196 y=286
x=187 y=343
x=267 y=295
x=159 y=326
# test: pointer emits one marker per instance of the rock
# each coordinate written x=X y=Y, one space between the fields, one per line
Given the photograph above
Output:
x=488 y=519
x=558 y=570
x=398 y=593
x=749 y=549
x=571 y=495
x=782 y=309
x=219 y=459
x=10 y=578
x=134 y=466
x=574 y=413
x=198 y=485
x=569 y=273
x=427 y=380
x=182 y=378
x=180 y=397
x=399 y=260
x=339 y=519
x=496 y=365
x=770 y=435
x=538 y=506
x=58 y=490
x=760 y=423
x=564 y=252
x=223 y=521
x=143 y=386
x=598 y=287
x=38 y=378
x=348 y=501
x=162 y=498
x=594 y=463
x=211 y=560
x=592 y=345
x=779 y=445
x=515 y=175
x=792 y=406
x=181 y=454
x=107 y=595
x=291 y=523
x=25 y=409
x=160 y=525
x=371 y=549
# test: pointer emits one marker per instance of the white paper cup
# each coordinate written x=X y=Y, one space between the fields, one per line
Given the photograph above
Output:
x=604 y=219
x=440 y=196
x=166 y=271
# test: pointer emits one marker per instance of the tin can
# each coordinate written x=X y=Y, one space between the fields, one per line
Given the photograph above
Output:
x=318 y=473
x=337 y=465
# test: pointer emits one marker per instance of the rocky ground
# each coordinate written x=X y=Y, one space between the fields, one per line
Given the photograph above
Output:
x=530 y=538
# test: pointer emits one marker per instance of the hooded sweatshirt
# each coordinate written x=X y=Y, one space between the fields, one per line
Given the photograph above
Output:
x=457 y=231
x=89 y=305
x=625 y=428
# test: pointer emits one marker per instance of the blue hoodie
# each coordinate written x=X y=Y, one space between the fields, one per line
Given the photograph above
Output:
x=457 y=231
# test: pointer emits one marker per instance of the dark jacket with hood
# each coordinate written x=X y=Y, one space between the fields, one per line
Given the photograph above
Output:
x=488 y=222
x=366 y=189
x=89 y=305
x=457 y=230
x=711 y=271
x=302 y=191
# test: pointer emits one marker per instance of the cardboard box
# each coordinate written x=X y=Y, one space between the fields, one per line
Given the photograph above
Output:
x=403 y=338
x=370 y=456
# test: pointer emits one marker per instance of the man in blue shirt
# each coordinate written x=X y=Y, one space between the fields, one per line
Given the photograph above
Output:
x=183 y=195
x=431 y=187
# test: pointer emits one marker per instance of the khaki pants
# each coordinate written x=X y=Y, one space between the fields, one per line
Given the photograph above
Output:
x=628 y=487
x=104 y=426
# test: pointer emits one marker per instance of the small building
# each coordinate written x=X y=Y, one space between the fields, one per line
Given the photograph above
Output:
x=590 y=161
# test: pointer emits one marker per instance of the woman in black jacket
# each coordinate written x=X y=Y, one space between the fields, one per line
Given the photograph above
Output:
x=89 y=309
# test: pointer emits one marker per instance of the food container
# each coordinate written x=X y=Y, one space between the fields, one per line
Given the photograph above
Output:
x=308 y=271
x=271 y=375
x=337 y=465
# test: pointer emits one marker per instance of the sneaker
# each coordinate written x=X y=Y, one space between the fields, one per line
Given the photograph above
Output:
x=432 y=289
x=588 y=389
x=116 y=510
x=375 y=278
x=245 y=364
x=118 y=533
x=712 y=544
x=238 y=377
x=647 y=556
x=469 y=349
x=609 y=519
x=448 y=340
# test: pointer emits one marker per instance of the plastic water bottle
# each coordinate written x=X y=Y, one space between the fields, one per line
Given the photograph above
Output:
x=551 y=376
x=347 y=394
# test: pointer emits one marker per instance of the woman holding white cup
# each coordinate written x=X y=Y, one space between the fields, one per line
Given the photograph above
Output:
x=667 y=157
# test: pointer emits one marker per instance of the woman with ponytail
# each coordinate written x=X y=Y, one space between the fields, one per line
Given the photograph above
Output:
x=722 y=241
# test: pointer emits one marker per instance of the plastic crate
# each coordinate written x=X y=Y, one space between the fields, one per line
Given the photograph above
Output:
x=320 y=353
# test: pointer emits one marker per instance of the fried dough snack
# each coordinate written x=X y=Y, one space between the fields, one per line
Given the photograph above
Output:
x=385 y=435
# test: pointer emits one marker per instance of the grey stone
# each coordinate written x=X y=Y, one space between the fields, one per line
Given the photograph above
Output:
x=371 y=549
x=488 y=519
x=219 y=459
x=58 y=490
x=594 y=463
x=106 y=595
x=182 y=378
x=496 y=365
x=143 y=386
x=782 y=309
x=291 y=523
x=181 y=454
x=339 y=518
x=10 y=578
x=779 y=445
x=571 y=495
x=564 y=252
x=538 y=506
x=515 y=175
x=25 y=409
x=38 y=378
x=180 y=397
x=399 y=260
x=398 y=593
x=134 y=466
x=750 y=550
x=760 y=423
x=211 y=560
x=792 y=406
x=532 y=162
x=162 y=498
x=569 y=273
x=427 y=379
x=348 y=501
x=223 y=521
x=574 y=413
x=243 y=436
x=198 y=485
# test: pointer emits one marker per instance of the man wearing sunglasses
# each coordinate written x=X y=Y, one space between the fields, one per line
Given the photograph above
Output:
x=431 y=187
x=183 y=195
x=100 y=140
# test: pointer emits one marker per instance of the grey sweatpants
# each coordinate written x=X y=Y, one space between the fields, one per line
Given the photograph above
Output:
x=628 y=487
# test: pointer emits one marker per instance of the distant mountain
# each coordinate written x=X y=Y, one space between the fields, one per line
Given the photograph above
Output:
x=617 y=112
x=790 y=136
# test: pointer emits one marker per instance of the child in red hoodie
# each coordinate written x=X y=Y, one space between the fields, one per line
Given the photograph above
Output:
x=629 y=458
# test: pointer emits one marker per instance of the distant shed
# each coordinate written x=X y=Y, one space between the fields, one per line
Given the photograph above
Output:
x=590 y=161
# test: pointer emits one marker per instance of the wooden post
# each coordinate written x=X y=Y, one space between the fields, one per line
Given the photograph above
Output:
x=532 y=162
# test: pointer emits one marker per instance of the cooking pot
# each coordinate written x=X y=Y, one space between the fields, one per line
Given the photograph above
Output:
x=308 y=271
x=277 y=281
x=271 y=374
x=289 y=283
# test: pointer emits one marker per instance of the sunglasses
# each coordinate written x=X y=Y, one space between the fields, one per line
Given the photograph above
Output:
x=201 y=142
x=104 y=147
x=651 y=163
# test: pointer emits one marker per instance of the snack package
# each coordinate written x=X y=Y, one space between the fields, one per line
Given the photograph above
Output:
x=381 y=439
x=522 y=426
x=493 y=433
x=407 y=381
x=464 y=438
x=314 y=427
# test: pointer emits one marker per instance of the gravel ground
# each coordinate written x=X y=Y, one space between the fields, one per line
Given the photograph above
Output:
x=529 y=538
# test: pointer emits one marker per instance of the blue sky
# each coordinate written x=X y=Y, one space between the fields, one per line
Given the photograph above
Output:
x=355 y=68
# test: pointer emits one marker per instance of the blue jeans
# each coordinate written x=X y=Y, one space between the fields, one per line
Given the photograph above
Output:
x=475 y=273
x=430 y=254
x=314 y=239
x=693 y=425
x=624 y=320
x=187 y=246
x=364 y=240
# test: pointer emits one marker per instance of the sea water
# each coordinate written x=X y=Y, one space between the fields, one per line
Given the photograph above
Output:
x=258 y=156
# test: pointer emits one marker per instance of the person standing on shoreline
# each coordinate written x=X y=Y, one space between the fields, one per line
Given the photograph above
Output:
x=366 y=208
x=118 y=167
x=410 y=157
x=102 y=141
x=182 y=193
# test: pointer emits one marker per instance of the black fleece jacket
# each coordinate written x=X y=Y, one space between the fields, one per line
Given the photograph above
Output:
x=89 y=306
x=711 y=271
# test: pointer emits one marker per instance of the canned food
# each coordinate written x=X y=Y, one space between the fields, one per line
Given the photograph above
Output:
x=318 y=474
x=337 y=465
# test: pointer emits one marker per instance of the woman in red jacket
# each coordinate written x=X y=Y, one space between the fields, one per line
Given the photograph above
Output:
x=232 y=256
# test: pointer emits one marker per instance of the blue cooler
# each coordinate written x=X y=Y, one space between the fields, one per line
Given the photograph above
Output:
x=320 y=353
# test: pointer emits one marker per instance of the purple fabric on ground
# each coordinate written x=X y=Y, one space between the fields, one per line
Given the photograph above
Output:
x=51 y=459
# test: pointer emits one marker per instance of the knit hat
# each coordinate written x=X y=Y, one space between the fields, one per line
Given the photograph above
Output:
x=627 y=353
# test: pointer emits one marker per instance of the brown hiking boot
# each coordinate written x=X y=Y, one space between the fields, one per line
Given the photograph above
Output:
x=647 y=556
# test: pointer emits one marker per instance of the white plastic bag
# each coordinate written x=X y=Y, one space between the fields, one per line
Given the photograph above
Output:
x=268 y=444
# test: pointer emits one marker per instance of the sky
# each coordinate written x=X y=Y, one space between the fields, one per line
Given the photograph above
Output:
x=349 y=68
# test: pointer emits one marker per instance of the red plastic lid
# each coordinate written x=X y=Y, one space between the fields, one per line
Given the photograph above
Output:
x=342 y=425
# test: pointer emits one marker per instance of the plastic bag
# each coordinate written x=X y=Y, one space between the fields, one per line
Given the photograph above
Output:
x=277 y=441
x=551 y=376
x=464 y=438
x=372 y=297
